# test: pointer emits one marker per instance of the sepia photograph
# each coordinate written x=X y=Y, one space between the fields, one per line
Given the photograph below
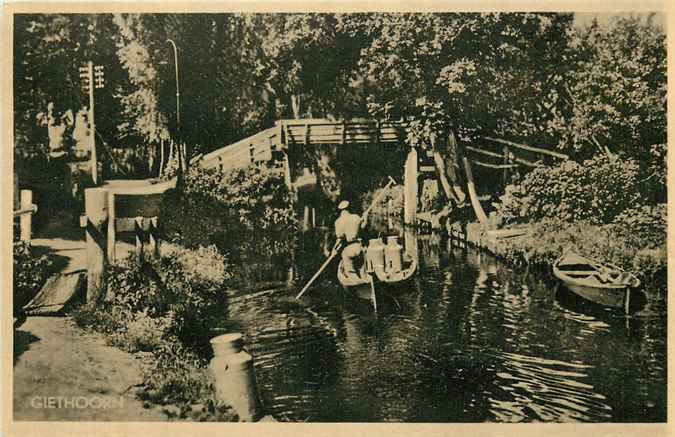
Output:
x=337 y=217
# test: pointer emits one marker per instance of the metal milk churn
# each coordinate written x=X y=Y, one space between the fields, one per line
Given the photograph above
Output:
x=234 y=378
x=375 y=255
x=392 y=255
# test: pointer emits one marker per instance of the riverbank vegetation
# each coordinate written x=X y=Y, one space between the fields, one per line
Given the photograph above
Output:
x=166 y=310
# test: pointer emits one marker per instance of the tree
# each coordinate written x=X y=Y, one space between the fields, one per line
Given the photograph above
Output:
x=617 y=90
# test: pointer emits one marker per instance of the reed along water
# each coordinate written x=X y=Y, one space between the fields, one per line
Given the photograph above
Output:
x=470 y=340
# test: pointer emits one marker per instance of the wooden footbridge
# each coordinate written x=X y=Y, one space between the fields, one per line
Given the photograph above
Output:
x=271 y=143
x=274 y=144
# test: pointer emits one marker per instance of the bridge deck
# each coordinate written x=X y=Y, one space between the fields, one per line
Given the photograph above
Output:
x=259 y=147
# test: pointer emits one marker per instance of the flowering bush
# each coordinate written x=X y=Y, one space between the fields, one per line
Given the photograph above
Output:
x=595 y=191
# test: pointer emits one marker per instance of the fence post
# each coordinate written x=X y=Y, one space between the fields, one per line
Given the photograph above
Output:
x=26 y=219
x=153 y=245
x=96 y=210
x=111 y=227
x=138 y=231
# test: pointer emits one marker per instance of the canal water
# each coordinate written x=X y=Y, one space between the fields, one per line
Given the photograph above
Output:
x=471 y=340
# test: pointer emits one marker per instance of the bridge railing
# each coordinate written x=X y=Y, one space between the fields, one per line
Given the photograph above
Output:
x=261 y=146
x=498 y=153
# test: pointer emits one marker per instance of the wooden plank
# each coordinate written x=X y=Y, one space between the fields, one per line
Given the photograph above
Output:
x=495 y=166
x=128 y=224
x=484 y=152
x=33 y=208
x=59 y=291
x=529 y=148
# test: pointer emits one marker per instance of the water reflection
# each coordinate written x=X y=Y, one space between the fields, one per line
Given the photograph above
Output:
x=473 y=340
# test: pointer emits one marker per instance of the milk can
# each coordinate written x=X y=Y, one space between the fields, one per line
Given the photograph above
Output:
x=392 y=255
x=375 y=255
x=234 y=376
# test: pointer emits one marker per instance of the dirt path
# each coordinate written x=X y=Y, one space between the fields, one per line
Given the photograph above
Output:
x=64 y=373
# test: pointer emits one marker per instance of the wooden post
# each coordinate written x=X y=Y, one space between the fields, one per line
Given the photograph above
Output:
x=478 y=209
x=306 y=219
x=96 y=210
x=111 y=227
x=26 y=219
x=410 y=188
x=138 y=231
x=153 y=245
x=94 y=160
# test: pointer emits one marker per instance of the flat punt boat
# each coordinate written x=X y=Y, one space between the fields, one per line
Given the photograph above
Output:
x=604 y=284
x=387 y=277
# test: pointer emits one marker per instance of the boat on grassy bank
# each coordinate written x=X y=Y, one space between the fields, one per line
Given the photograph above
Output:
x=601 y=283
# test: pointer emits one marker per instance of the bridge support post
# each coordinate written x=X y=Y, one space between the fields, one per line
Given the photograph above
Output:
x=306 y=223
x=410 y=188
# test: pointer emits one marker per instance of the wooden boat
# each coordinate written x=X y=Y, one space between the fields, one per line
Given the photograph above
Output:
x=384 y=279
x=604 y=284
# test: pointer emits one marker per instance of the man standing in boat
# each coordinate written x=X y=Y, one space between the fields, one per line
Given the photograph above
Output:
x=347 y=227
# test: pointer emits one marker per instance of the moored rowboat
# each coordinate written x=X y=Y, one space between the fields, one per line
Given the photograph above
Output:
x=604 y=284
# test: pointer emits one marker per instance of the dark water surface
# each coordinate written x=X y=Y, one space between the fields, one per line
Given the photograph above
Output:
x=471 y=340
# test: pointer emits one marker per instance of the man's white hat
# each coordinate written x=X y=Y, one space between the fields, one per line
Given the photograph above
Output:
x=343 y=205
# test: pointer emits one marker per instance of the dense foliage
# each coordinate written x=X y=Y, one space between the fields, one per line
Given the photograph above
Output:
x=166 y=307
x=537 y=77
x=595 y=190
x=243 y=211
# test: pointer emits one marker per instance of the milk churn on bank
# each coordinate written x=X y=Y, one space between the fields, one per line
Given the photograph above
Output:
x=234 y=376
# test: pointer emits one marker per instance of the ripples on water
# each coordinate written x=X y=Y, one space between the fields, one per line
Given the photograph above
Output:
x=470 y=341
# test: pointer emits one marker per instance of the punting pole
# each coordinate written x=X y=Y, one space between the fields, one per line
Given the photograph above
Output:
x=372 y=293
x=627 y=302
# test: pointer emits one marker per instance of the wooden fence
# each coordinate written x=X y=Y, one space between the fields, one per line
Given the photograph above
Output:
x=120 y=207
x=25 y=214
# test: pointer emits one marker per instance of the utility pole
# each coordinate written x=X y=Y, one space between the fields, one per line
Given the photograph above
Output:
x=88 y=74
x=182 y=151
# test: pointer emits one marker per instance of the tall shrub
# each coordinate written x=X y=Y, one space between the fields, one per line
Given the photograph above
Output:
x=596 y=190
